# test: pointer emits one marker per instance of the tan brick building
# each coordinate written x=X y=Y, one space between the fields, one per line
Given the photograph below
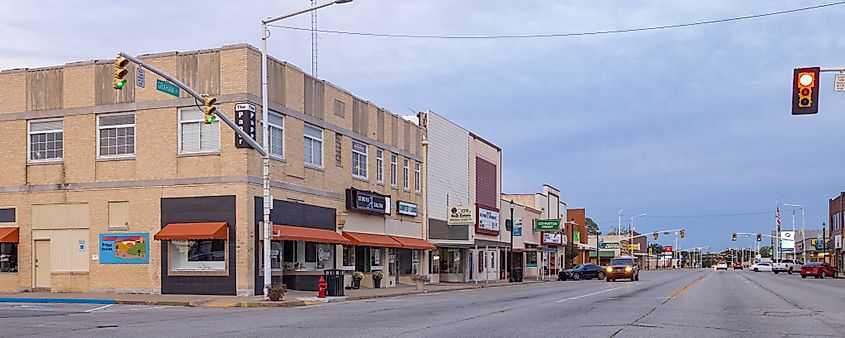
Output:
x=129 y=191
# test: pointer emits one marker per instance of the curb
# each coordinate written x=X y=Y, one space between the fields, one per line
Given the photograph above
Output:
x=153 y=302
x=59 y=300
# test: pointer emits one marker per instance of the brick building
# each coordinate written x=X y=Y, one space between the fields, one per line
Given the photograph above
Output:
x=836 y=210
x=129 y=191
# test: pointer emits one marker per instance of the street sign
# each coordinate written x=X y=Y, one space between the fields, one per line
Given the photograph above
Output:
x=839 y=83
x=667 y=248
x=167 y=87
x=547 y=225
x=245 y=119
x=139 y=77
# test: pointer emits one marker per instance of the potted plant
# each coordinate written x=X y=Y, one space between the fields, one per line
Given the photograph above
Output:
x=420 y=280
x=357 y=276
x=277 y=291
x=377 y=276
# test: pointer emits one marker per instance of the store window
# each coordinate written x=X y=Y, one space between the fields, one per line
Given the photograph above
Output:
x=359 y=160
x=116 y=135
x=375 y=259
x=46 y=140
x=531 y=260
x=451 y=261
x=8 y=257
x=348 y=256
x=298 y=255
x=197 y=255
x=409 y=261
x=313 y=146
x=275 y=256
x=362 y=258
x=195 y=135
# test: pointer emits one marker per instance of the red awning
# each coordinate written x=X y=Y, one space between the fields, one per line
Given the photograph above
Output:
x=9 y=235
x=381 y=241
x=413 y=243
x=293 y=233
x=193 y=231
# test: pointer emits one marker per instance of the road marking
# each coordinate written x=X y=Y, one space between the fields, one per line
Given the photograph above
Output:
x=150 y=308
x=587 y=295
x=684 y=289
x=98 y=308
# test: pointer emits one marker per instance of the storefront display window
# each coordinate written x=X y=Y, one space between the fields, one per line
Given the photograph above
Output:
x=8 y=257
x=275 y=255
x=409 y=261
x=375 y=259
x=531 y=259
x=197 y=255
x=298 y=255
x=451 y=261
x=348 y=255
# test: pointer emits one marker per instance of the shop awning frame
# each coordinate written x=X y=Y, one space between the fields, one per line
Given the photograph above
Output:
x=193 y=231
x=295 y=233
x=10 y=235
x=373 y=240
x=413 y=243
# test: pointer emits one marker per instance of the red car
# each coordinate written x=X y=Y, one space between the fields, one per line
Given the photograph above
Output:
x=737 y=266
x=818 y=270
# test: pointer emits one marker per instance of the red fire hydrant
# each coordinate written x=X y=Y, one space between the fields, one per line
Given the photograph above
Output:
x=321 y=287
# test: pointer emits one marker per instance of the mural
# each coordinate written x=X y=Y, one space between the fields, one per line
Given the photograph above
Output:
x=128 y=248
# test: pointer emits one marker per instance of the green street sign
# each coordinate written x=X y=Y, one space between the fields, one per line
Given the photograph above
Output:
x=547 y=225
x=167 y=87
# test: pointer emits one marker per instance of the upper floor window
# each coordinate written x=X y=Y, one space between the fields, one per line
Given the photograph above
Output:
x=277 y=134
x=417 y=177
x=313 y=146
x=116 y=135
x=359 y=159
x=405 y=173
x=196 y=136
x=338 y=150
x=393 y=170
x=380 y=165
x=46 y=140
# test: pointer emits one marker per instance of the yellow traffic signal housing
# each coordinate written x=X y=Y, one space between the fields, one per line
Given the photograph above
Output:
x=683 y=233
x=210 y=109
x=655 y=235
x=733 y=237
x=120 y=72
x=805 y=91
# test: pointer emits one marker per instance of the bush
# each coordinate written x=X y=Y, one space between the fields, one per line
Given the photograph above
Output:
x=277 y=291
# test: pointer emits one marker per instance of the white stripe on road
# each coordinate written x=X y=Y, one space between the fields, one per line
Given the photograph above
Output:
x=98 y=308
x=587 y=295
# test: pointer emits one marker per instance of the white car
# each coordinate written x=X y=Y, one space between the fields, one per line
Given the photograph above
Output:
x=762 y=266
x=722 y=266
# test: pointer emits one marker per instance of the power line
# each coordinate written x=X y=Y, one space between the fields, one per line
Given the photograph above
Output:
x=564 y=35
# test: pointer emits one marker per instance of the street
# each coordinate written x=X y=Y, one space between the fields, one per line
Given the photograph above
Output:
x=690 y=303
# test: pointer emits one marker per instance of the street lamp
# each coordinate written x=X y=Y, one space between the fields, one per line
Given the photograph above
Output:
x=803 y=245
x=631 y=228
x=266 y=138
x=510 y=261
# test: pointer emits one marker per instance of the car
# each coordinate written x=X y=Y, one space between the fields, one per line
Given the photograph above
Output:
x=761 y=266
x=622 y=267
x=818 y=270
x=787 y=265
x=582 y=271
x=722 y=265
x=737 y=266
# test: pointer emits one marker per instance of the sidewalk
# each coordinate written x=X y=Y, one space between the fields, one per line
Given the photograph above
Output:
x=292 y=298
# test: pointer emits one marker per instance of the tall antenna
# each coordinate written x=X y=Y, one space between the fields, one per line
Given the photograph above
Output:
x=314 y=40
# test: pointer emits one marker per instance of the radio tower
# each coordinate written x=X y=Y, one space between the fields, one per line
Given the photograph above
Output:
x=314 y=40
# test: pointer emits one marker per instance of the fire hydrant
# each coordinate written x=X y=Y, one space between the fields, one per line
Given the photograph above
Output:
x=321 y=287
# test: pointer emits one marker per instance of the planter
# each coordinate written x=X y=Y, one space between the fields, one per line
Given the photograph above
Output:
x=377 y=283
x=356 y=284
x=420 y=285
x=276 y=292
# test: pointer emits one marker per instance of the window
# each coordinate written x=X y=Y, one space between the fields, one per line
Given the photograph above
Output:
x=348 y=255
x=380 y=166
x=450 y=261
x=339 y=108
x=195 y=135
x=116 y=135
x=8 y=257
x=197 y=255
x=417 y=177
x=405 y=178
x=338 y=150
x=375 y=259
x=277 y=134
x=313 y=145
x=275 y=256
x=46 y=140
x=359 y=159
x=393 y=170
x=299 y=255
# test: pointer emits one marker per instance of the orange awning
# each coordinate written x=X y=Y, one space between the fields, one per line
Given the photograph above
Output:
x=9 y=235
x=381 y=241
x=293 y=233
x=191 y=231
x=413 y=243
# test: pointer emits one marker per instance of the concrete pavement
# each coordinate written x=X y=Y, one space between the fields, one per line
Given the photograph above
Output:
x=688 y=303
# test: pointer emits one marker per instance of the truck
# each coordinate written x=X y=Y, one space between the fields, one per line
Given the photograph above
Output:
x=787 y=265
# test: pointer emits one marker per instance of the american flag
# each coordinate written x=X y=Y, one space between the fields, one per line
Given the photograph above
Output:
x=777 y=219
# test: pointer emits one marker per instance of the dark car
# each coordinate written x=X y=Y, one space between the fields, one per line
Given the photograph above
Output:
x=737 y=266
x=622 y=267
x=818 y=270
x=582 y=271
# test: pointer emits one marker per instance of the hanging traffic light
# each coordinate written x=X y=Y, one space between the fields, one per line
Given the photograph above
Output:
x=683 y=233
x=805 y=91
x=733 y=237
x=120 y=72
x=655 y=235
x=759 y=237
x=210 y=110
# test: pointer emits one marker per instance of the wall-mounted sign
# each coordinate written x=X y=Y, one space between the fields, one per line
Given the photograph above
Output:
x=407 y=209
x=517 y=229
x=81 y=245
x=609 y=245
x=367 y=201
x=139 y=78
x=547 y=225
x=837 y=242
x=245 y=119
x=576 y=236
x=552 y=238
x=461 y=215
x=667 y=248
x=488 y=221
x=129 y=248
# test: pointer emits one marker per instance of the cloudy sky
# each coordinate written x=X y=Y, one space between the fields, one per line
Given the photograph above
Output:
x=689 y=125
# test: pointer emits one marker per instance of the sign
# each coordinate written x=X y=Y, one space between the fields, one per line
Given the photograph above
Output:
x=667 y=248
x=837 y=242
x=787 y=242
x=461 y=215
x=517 y=229
x=81 y=245
x=488 y=221
x=127 y=248
x=167 y=87
x=576 y=236
x=634 y=246
x=547 y=225
x=839 y=83
x=139 y=77
x=245 y=119
x=407 y=209
x=554 y=238
x=609 y=245
x=366 y=201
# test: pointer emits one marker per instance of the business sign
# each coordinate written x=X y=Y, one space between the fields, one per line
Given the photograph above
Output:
x=461 y=215
x=787 y=242
x=517 y=229
x=547 y=225
x=366 y=202
x=488 y=221
x=667 y=248
x=407 y=209
x=576 y=236
x=837 y=242
x=244 y=119
x=552 y=238
x=609 y=245
x=126 y=248
x=634 y=246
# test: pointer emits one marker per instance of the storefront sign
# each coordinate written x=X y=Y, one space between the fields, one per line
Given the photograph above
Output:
x=554 y=238
x=408 y=209
x=838 y=242
x=517 y=230
x=576 y=236
x=787 y=242
x=461 y=215
x=366 y=201
x=667 y=248
x=129 y=248
x=488 y=221
x=609 y=245
x=547 y=225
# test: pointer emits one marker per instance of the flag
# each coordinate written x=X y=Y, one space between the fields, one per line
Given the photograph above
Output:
x=777 y=218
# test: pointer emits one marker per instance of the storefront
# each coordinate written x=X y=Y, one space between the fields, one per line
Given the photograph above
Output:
x=554 y=255
x=9 y=238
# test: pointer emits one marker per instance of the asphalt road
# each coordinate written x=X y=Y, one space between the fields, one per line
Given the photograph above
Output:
x=684 y=303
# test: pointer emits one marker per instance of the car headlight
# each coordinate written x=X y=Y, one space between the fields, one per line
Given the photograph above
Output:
x=628 y=269
x=609 y=269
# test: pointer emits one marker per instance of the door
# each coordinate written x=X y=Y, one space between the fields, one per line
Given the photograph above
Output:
x=42 y=264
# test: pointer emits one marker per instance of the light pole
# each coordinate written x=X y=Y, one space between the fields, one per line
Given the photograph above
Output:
x=510 y=260
x=803 y=245
x=266 y=138
x=631 y=237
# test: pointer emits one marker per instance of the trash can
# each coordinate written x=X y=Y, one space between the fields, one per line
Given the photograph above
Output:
x=334 y=282
x=517 y=275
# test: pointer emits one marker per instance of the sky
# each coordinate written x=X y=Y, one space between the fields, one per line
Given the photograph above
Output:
x=691 y=126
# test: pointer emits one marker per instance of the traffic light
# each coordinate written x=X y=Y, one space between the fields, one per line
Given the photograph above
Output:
x=683 y=233
x=733 y=237
x=210 y=110
x=655 y=235
x=805 y=91
x=759 y=237
x=120 y=72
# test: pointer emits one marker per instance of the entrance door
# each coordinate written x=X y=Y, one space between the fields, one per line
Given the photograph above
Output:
x=491 y=265
x=42 y=264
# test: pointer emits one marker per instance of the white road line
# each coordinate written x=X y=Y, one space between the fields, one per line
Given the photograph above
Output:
x=150 y=308
x=98 y=308
x=587 y=295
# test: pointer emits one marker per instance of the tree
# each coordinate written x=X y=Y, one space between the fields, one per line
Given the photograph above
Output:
x=592 y=227
x=656 y=249
x=766 y=252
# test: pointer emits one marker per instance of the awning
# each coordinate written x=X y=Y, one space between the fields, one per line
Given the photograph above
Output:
x=193 y=231
x=413 y=243
x=9 y=235
x=294 y=233
x=362 y=239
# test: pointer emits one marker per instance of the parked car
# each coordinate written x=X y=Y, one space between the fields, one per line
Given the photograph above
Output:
x=582 y=271
x=737 y=266
x=762 y=266
x=818 y=270
x=787 y=265
x=622 y=267
x=722 y=265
